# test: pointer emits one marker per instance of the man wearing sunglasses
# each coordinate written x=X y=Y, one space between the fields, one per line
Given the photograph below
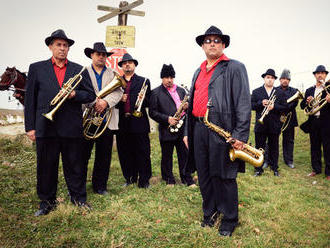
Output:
x=223 y=83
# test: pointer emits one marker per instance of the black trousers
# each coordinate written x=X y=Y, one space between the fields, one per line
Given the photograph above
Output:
x=288 y=145
x=167 y=148
x=48 y=154
x=318 y=138
x=134 y=157
x=219 y=195
x=273 y=150
x=102 y=161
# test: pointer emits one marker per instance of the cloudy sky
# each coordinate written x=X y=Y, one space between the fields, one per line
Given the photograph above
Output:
x=264 y=34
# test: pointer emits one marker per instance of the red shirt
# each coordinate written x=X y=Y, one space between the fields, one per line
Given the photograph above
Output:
x=59 y=71
x=201 y=87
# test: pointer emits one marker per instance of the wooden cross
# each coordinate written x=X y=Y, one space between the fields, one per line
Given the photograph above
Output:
x=122 y=11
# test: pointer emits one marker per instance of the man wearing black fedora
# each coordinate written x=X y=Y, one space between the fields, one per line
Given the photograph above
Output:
x=222 y=85
x=133 y=141
x=319 y=123
x=270 y=130
x=64 y=134
x=165 y=100
x=101 y=76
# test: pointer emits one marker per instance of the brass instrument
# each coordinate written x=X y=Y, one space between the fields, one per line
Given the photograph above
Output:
x=285 y=119
x=63 y=94
x=175 y=128
x=298 y=95
x=138 y=104
x=93 y=122
x=266 y=110
x=248 y=154
x=316 y=104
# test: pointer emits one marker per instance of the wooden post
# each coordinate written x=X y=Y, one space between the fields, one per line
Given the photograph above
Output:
x=122 y=18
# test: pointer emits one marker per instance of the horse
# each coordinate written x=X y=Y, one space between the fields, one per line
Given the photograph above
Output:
x=13 y=79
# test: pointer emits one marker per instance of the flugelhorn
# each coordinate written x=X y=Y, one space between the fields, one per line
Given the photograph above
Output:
x=248 y=154
x=139 y=101
x=178 y=115
x=266 y=110
x=93 y=122
x=316 y=104
x=63 y=94
x=298 y=95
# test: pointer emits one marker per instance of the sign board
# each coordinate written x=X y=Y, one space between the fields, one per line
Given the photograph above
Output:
x=120 y=36
x=113 y=60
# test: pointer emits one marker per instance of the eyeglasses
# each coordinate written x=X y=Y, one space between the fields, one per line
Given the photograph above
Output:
x=209 y=41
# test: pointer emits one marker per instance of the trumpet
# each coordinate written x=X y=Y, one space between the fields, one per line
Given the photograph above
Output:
x=266 y=110
x=175 y=128
x=248 y=154
x=316 y=104
x=93 y=121
x=298 y=95
x=138 y=104
x=63 y=94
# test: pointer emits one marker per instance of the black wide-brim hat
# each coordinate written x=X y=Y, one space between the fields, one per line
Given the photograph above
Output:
x=58 y=34
x=320 y=68
x=98 y=47
x=270 y=72
x=127 y=57
x=213 y=31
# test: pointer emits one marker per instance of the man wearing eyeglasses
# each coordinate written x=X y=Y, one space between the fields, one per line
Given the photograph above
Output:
x=222 y=82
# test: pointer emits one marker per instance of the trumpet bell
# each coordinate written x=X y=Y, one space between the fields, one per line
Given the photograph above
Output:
x=49 y=116
x=137 y=114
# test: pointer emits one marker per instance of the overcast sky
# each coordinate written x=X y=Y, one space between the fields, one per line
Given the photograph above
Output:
x=264 y=34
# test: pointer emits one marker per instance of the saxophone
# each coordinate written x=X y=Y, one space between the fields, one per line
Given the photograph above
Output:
x=175 y=128
x=248 y=154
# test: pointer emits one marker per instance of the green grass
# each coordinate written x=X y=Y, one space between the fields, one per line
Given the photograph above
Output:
x=289 y=211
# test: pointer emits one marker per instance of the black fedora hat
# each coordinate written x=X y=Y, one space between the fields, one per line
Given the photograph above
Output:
x=213 y=31
x=167 y=71
x=58 y=34
x=127 y=57
x=320 y=68
x=98 y=47
x=270 y=72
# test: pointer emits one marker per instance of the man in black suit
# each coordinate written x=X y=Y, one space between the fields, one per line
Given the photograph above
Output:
x=288 y=133
x=271 y=128
x=63 y=135
x=165 y=100
x=133 y=141
x=318 y=123
x=224 y=83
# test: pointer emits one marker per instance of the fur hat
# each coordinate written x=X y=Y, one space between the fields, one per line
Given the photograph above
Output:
x=167 y=71
x=286 y=74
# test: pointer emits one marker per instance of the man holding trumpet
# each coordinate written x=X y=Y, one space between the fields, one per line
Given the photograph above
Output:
x=318 y=123
x=63 y=135
x=268 y=104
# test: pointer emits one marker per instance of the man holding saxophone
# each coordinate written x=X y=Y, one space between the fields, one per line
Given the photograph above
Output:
x=268 y=104
x=63 y=135
x=318 y=123
x=133 y=141
x=101 y=77
x=165 y=102
x=223 y=83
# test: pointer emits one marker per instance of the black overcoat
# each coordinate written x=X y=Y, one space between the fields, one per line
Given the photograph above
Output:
x=161 y=107
x=134 y=124
x=231 y=110
x=41 y=88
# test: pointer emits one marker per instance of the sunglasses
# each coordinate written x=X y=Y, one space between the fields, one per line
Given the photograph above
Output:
x=209 y=41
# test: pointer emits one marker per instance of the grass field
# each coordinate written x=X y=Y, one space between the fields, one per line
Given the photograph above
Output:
x=287 y=211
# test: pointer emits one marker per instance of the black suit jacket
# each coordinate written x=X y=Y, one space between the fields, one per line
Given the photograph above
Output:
x=41 y=88
x=133 y=124
x=291 y=107
x=272 y=122
x=161 y=107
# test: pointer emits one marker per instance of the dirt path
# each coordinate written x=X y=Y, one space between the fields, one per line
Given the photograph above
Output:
x=12 y=130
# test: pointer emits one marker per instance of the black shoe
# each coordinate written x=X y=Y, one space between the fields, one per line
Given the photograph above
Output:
x=225 y=233
x=276 y=174
x=84 y=205
x=45 y=208
x=101 y=192
x=290 y=165
x=258 y=173
x=145 y=186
